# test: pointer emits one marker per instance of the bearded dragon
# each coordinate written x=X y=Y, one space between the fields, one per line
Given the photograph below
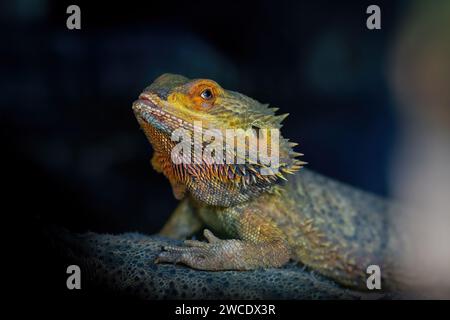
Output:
x=253 y=220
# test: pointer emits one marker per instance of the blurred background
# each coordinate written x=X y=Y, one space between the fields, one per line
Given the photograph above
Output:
x=67 y=94
x=356 y=98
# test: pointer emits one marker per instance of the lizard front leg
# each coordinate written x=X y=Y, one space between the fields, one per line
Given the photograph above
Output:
x=182 y=223
x=260 y=245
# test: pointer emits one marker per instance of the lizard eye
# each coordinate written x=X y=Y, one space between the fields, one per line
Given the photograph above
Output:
x=206 y=94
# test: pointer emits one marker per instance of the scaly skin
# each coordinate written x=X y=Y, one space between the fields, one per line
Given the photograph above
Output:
x=264 y=221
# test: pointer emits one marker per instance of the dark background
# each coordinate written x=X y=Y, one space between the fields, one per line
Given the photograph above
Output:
x=75 y=153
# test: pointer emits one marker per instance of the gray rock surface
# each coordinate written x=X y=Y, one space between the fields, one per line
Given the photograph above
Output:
x=124 y=265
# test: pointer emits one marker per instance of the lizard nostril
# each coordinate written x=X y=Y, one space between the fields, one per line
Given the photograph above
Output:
x=136 y=106
x=162 y=93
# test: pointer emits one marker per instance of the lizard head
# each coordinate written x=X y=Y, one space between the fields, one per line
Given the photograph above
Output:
x=174 y=105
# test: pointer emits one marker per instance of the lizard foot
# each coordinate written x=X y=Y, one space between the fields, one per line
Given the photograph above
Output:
x=216 y=254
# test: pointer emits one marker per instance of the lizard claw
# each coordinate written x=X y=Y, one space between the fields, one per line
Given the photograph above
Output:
x=168 y=256
x=202 y=244
x=195 y=243
x=193 y=253
x=210 y=236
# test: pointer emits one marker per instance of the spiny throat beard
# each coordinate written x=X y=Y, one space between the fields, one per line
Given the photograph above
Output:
x=215 y=184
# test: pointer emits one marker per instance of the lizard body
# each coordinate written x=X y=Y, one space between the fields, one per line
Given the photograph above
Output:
x=262 y=221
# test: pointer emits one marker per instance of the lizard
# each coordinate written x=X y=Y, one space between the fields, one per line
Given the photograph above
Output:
x=250 y=220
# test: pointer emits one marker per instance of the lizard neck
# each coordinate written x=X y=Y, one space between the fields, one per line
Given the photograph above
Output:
x=220 y=185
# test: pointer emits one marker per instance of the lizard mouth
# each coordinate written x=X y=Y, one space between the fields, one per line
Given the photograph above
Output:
x=148 y=109
x=145 y=105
